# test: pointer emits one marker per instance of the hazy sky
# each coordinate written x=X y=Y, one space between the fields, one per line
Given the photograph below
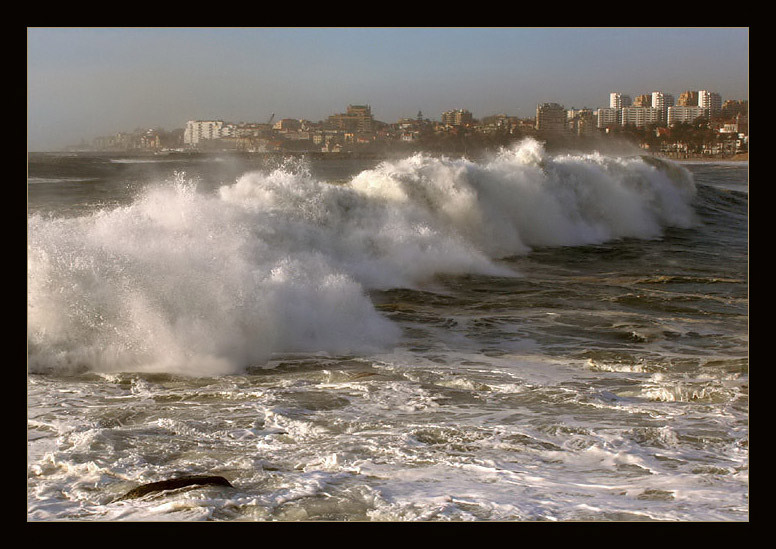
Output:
x=87 y=82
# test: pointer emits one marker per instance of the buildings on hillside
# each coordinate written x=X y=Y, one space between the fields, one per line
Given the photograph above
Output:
x=357 y=126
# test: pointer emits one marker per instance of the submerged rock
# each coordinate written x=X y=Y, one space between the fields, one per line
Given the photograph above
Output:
x=174 y=484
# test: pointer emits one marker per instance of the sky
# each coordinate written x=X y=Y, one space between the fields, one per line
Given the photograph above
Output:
x=88 y=82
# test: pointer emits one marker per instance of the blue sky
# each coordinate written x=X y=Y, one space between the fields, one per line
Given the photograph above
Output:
x=85 y=82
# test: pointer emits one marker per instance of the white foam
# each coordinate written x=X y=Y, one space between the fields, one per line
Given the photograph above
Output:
x=183 y=281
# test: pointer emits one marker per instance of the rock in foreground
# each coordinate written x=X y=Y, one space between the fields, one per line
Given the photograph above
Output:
x=174 y=484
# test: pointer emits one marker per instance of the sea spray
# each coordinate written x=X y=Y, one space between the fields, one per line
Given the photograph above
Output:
x=380 y=242
x=522 y=198
x=184 y=282
x=605 y=382
x=196 y=283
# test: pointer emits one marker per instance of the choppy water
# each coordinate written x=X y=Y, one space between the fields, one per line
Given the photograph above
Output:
x=525 y=337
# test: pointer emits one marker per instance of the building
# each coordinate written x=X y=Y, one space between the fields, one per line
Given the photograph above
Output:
x=644 y=100
x=550 y=117
x=581 y=122
x=639 y=116
x=687 y=114
x=150 y=140
x=252 y=129
x=732 y=107
x=608 y=117
x=358 y=118
x=288 y=125
x=618 y=100
x=458 y=117
x=688 y=99
x=199 y=130
x=742 y=123
x=711 y=102
x=661 y=101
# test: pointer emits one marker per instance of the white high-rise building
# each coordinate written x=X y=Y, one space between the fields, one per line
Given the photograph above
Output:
x=618 y=100
x=710 y=101
x=662 y=101
x=198 y=130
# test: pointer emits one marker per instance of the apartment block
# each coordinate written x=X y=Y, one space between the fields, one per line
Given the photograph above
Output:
x=639 y=116
x=608 y=117
x=550 y=117
x=710 y=101
x=662 y=101
x=458 y=117
x=581 y=122
x=644 y=100
x=199 y=130
x=688 y=99
x=357 y=118
x=618 y=100
x=687 y=114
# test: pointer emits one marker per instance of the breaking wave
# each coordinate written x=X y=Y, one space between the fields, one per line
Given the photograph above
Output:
x=208 y=283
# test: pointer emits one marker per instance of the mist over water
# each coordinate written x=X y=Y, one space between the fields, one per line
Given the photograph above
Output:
x=202 y=283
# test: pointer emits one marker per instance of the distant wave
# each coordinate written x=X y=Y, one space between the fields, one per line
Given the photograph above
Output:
x=166 y=159
x=187 y=282
x=54 y=180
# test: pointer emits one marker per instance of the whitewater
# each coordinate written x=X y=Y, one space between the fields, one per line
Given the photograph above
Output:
x=525 y=336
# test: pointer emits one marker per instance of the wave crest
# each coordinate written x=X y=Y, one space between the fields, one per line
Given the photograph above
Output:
x=187 y=282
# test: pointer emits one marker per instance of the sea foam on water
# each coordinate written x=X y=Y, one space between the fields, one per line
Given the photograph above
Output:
x=209 y=283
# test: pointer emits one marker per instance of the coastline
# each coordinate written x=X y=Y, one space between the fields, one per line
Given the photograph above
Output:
x=680 y=157
x=740 y=157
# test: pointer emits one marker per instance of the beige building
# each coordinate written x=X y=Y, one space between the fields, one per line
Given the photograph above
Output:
x=288 y=125
x=688 y=99
x=458 y=117
x=358 y=118
x=644 y=100
x=581 y=122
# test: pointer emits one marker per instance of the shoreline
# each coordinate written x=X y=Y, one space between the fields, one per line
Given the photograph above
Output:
x=741 y=157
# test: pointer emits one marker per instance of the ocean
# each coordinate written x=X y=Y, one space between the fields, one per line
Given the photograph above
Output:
x=524 y=336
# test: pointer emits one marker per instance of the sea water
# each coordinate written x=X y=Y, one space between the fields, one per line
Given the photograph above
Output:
x=527 y=336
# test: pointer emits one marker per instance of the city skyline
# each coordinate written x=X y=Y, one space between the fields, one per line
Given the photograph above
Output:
x=85 y=82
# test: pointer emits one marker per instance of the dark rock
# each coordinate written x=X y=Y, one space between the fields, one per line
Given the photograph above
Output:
x=174 y=484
